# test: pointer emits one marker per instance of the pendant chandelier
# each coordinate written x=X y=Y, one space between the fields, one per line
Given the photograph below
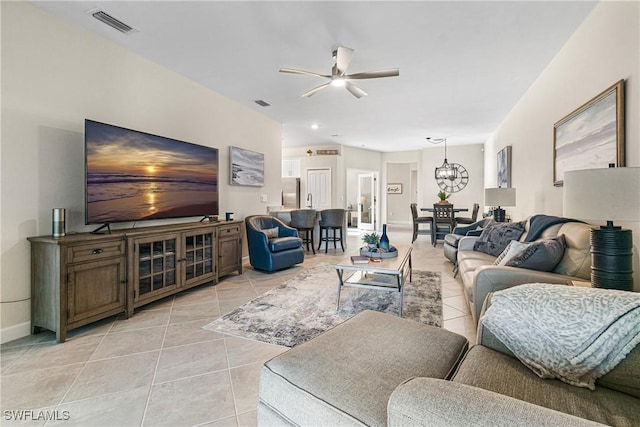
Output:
x=451 y=177
x=447 y=170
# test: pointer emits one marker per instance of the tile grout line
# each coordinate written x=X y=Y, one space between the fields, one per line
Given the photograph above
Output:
x=84 y=367
x=155 y=370
x=226 y=354
x=233 y=394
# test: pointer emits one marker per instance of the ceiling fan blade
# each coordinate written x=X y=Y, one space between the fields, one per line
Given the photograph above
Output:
x=343 y=59
x=315 y=90
x=355 y=90
x=307 y=73
x=390 y=72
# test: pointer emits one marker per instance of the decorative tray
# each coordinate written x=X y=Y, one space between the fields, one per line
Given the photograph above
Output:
x=378 y=253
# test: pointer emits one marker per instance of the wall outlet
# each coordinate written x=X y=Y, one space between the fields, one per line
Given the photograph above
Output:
x=263 y=198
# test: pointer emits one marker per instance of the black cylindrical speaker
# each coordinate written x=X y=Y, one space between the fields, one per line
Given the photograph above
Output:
x=58 y=219
x=611 y=258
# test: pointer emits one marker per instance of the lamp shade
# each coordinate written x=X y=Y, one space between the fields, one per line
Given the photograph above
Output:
x=609 y=194
x=500 y=196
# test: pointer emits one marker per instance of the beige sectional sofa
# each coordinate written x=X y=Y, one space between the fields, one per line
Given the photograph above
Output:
x=480 y=276
x=380 y=370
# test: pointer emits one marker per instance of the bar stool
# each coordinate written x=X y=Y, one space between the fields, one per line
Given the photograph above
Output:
x=304 y=220
x=331 y=220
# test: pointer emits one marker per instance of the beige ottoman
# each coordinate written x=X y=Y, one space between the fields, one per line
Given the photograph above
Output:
x=346 y=375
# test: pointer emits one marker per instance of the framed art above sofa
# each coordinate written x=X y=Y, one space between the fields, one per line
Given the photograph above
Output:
x=592 y=136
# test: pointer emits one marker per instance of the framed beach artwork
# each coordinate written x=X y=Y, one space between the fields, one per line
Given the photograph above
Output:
x=394 y=188
x=592 y=136
x=504 y=167
x=246 y=167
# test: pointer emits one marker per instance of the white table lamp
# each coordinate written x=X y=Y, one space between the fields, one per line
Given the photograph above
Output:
x=499 y=197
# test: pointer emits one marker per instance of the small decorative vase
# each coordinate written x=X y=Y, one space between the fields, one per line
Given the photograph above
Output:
x=384 y=239
x=372 y=246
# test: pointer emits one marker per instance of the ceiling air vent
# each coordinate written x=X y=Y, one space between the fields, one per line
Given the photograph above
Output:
x=261 y=103
x=112 y=22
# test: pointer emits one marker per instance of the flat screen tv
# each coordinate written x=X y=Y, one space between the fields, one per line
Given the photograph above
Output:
x=133 y=176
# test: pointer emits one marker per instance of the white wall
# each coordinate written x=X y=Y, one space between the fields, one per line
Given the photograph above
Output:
x=55 y=75
x=605 y=49
x=398 y=204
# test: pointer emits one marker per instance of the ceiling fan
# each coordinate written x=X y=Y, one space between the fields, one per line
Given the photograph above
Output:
x=339 y=76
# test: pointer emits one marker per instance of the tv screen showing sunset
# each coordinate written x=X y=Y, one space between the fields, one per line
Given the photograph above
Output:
x=133 y=176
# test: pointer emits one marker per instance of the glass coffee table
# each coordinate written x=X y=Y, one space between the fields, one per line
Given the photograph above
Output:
x=368 y=275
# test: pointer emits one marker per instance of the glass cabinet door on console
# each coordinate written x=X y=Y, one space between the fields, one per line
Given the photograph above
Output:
x=156 y=266
x=199 y=253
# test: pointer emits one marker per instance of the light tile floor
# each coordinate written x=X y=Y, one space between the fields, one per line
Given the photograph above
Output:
x=161 y=368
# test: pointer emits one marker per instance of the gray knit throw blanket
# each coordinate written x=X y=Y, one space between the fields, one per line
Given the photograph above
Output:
x=570 y=333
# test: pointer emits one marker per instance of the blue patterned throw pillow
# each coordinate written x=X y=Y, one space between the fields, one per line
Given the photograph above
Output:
x=497 y=235
x=542 y=255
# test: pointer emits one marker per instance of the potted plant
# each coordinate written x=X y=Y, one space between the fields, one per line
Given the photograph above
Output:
x=371 y=239
x=443 y=197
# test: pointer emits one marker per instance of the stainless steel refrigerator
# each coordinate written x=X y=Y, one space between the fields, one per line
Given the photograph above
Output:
x=291 y=193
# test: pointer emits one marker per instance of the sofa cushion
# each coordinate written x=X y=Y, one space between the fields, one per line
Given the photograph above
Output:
x=344 y=377
x=626 y=376
x=497 y=235
x=271 y=232
x=542 y=255
x=283 y=243
x=494 y=371
x=576 y=260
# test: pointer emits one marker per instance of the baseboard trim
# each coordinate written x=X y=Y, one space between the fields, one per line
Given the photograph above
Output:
x=14 y=332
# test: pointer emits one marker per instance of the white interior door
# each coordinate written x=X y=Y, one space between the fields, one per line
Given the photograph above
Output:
x=318 y=189
x=367 y=201
x=414 y=187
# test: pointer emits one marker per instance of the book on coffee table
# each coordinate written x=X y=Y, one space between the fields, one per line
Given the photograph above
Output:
x=359 y=259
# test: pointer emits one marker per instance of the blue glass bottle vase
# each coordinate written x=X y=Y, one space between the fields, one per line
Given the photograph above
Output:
x=384 y=239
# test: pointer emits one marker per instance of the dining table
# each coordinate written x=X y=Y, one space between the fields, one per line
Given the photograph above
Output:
x=454 y=209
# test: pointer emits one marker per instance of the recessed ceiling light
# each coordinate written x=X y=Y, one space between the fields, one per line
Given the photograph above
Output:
x=314 y=126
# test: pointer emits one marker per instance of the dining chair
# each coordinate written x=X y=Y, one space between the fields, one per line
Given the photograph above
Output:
x=469 y=220
x=417 y=220
x=443 y=221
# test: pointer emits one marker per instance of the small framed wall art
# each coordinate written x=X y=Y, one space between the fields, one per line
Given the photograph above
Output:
x=246 y=167
x=504 y=167
x=394 y=188
x=591 y=137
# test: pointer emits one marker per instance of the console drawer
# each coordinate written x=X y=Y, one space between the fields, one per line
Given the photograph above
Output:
x=95 y=251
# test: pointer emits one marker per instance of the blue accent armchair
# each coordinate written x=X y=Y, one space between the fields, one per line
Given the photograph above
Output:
x=272 y=244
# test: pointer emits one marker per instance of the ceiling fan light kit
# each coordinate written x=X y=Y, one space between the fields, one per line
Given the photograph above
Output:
x=339 y=77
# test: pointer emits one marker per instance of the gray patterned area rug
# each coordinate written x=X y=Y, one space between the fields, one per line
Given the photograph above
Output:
x=305 y=306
